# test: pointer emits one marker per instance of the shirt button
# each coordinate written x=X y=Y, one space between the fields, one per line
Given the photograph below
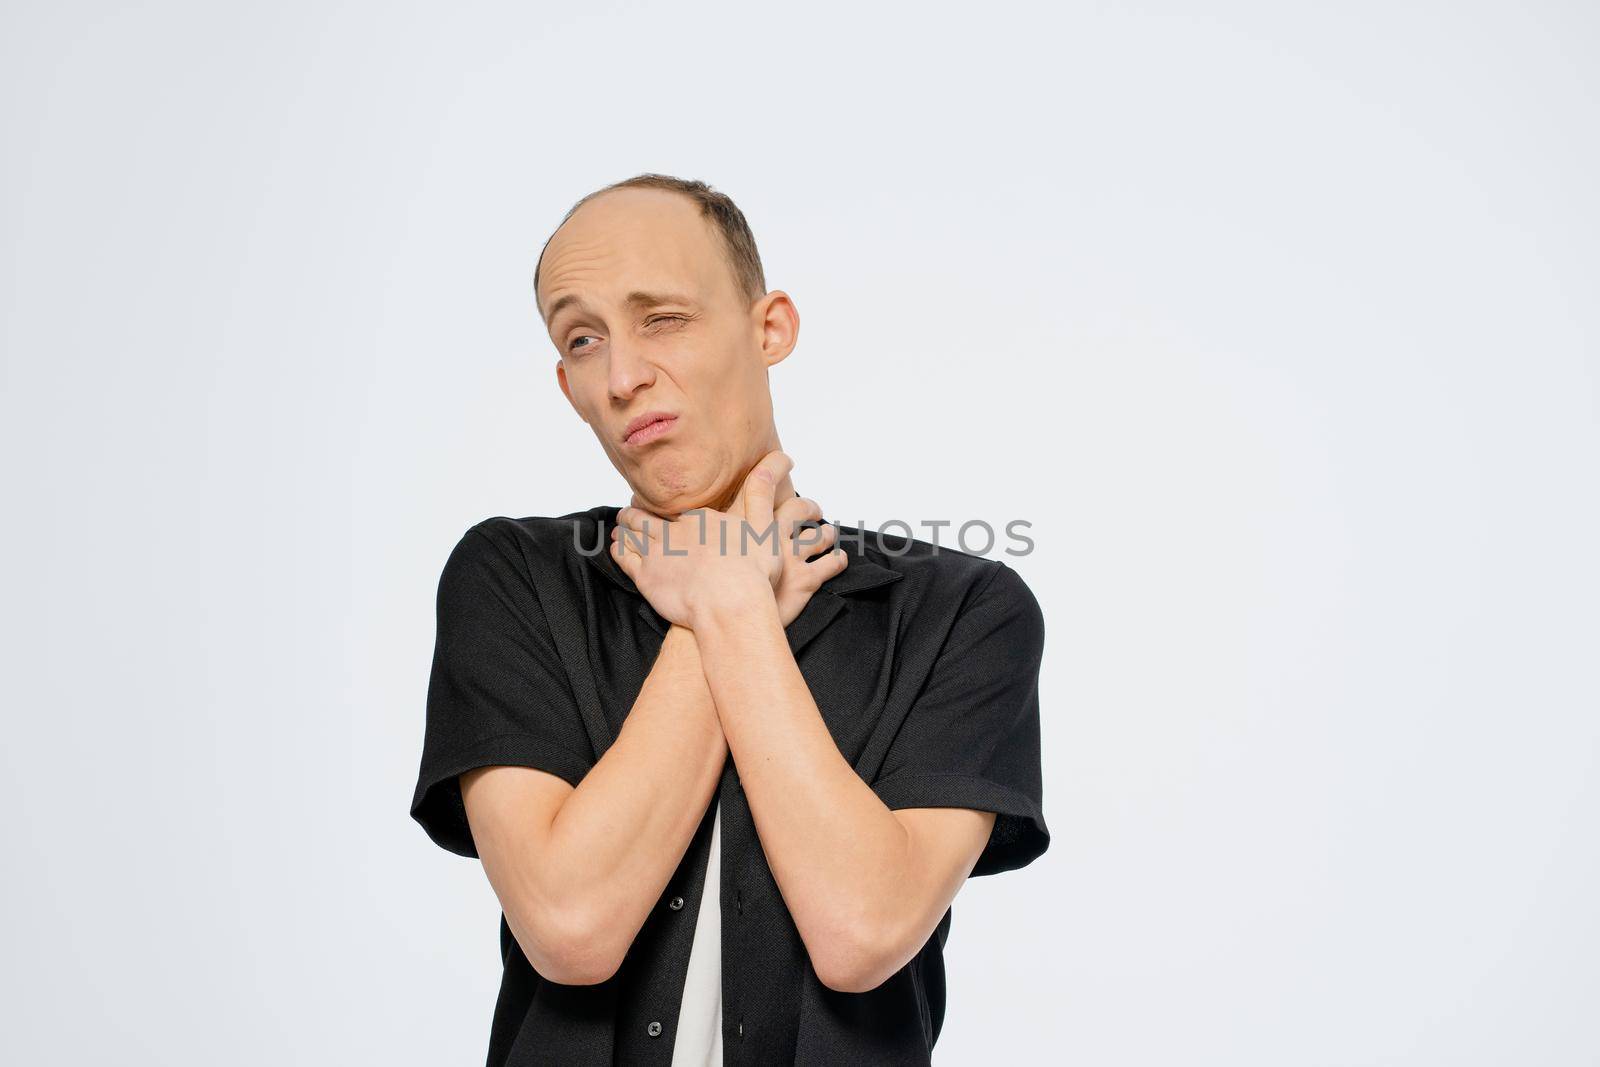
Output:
x=654 y=1029
x=675 y=903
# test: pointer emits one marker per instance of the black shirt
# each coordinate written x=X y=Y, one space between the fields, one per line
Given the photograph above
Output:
x=924 y=663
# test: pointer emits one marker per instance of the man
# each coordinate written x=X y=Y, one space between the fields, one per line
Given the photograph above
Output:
x=725 y=767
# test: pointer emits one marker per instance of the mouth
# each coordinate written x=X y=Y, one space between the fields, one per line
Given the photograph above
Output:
x=648 y=427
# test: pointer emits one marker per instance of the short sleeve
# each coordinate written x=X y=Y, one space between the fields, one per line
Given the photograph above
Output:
x=971 y=739
x=497 y=693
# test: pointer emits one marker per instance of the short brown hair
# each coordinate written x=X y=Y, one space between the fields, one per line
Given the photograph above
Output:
x=739 y=243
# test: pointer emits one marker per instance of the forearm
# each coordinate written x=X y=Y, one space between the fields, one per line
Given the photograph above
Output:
x=619 y=837
x=839 y=855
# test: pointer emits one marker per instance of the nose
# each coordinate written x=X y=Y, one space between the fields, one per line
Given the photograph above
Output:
x=629 y=370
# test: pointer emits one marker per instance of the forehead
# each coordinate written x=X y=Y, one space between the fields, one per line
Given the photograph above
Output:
x=629 y=240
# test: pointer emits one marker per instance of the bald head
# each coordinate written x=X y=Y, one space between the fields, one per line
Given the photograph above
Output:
x=650 y=322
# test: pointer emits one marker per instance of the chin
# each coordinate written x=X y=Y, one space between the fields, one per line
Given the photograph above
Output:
x=665 y=490
x=669 y=490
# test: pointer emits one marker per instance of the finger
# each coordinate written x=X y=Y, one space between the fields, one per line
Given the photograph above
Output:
x=799 y=508
x=767 y=462
x=645 y=523
x=620 y=553
x=635 y=529
x=648 y=512
x=794 y=511
x=633 y=518
x=814 y=540
x=807 y=536
x=762 y=485
x=695 y=522
x=737 y=506
x=826 y=566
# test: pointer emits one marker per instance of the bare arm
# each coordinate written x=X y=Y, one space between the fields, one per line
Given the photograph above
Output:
x=866 y=885
x=577 y=870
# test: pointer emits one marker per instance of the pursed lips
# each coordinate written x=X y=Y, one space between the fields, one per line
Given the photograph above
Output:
x=648 y=427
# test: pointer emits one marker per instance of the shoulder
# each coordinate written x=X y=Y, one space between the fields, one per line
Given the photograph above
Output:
x=538 y=540
x=532 y=553
x=935 y=567
x=947 y=590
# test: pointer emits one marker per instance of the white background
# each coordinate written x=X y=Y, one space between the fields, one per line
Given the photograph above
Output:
x=1278 y=322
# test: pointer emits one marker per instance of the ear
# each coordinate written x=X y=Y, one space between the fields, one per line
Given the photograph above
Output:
x=778 y=322
x=566 y=390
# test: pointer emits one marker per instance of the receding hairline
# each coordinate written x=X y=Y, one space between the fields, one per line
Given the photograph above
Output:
x=740 y=254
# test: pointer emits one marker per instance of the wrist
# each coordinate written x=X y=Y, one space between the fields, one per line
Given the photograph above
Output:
x=737 y=602
x=680 y=638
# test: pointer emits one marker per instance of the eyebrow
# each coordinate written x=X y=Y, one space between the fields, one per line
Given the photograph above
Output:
x=638 y=299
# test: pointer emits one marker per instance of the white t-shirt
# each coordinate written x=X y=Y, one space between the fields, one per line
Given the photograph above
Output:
x=698 y=1042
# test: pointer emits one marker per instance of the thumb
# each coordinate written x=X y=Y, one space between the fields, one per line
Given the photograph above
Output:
x=761 y=486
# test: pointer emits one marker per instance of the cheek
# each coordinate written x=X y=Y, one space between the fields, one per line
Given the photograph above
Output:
x=581 y=386
x=719 y=371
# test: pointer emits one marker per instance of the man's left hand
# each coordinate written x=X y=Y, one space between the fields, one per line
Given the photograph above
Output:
x=706 y=559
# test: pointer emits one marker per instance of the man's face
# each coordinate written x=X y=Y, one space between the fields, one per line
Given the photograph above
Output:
x=643 y=308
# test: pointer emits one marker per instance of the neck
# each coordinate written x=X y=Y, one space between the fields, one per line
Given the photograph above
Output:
x=782 y=492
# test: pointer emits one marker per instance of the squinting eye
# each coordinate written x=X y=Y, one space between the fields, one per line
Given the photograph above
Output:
x=573 y=346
